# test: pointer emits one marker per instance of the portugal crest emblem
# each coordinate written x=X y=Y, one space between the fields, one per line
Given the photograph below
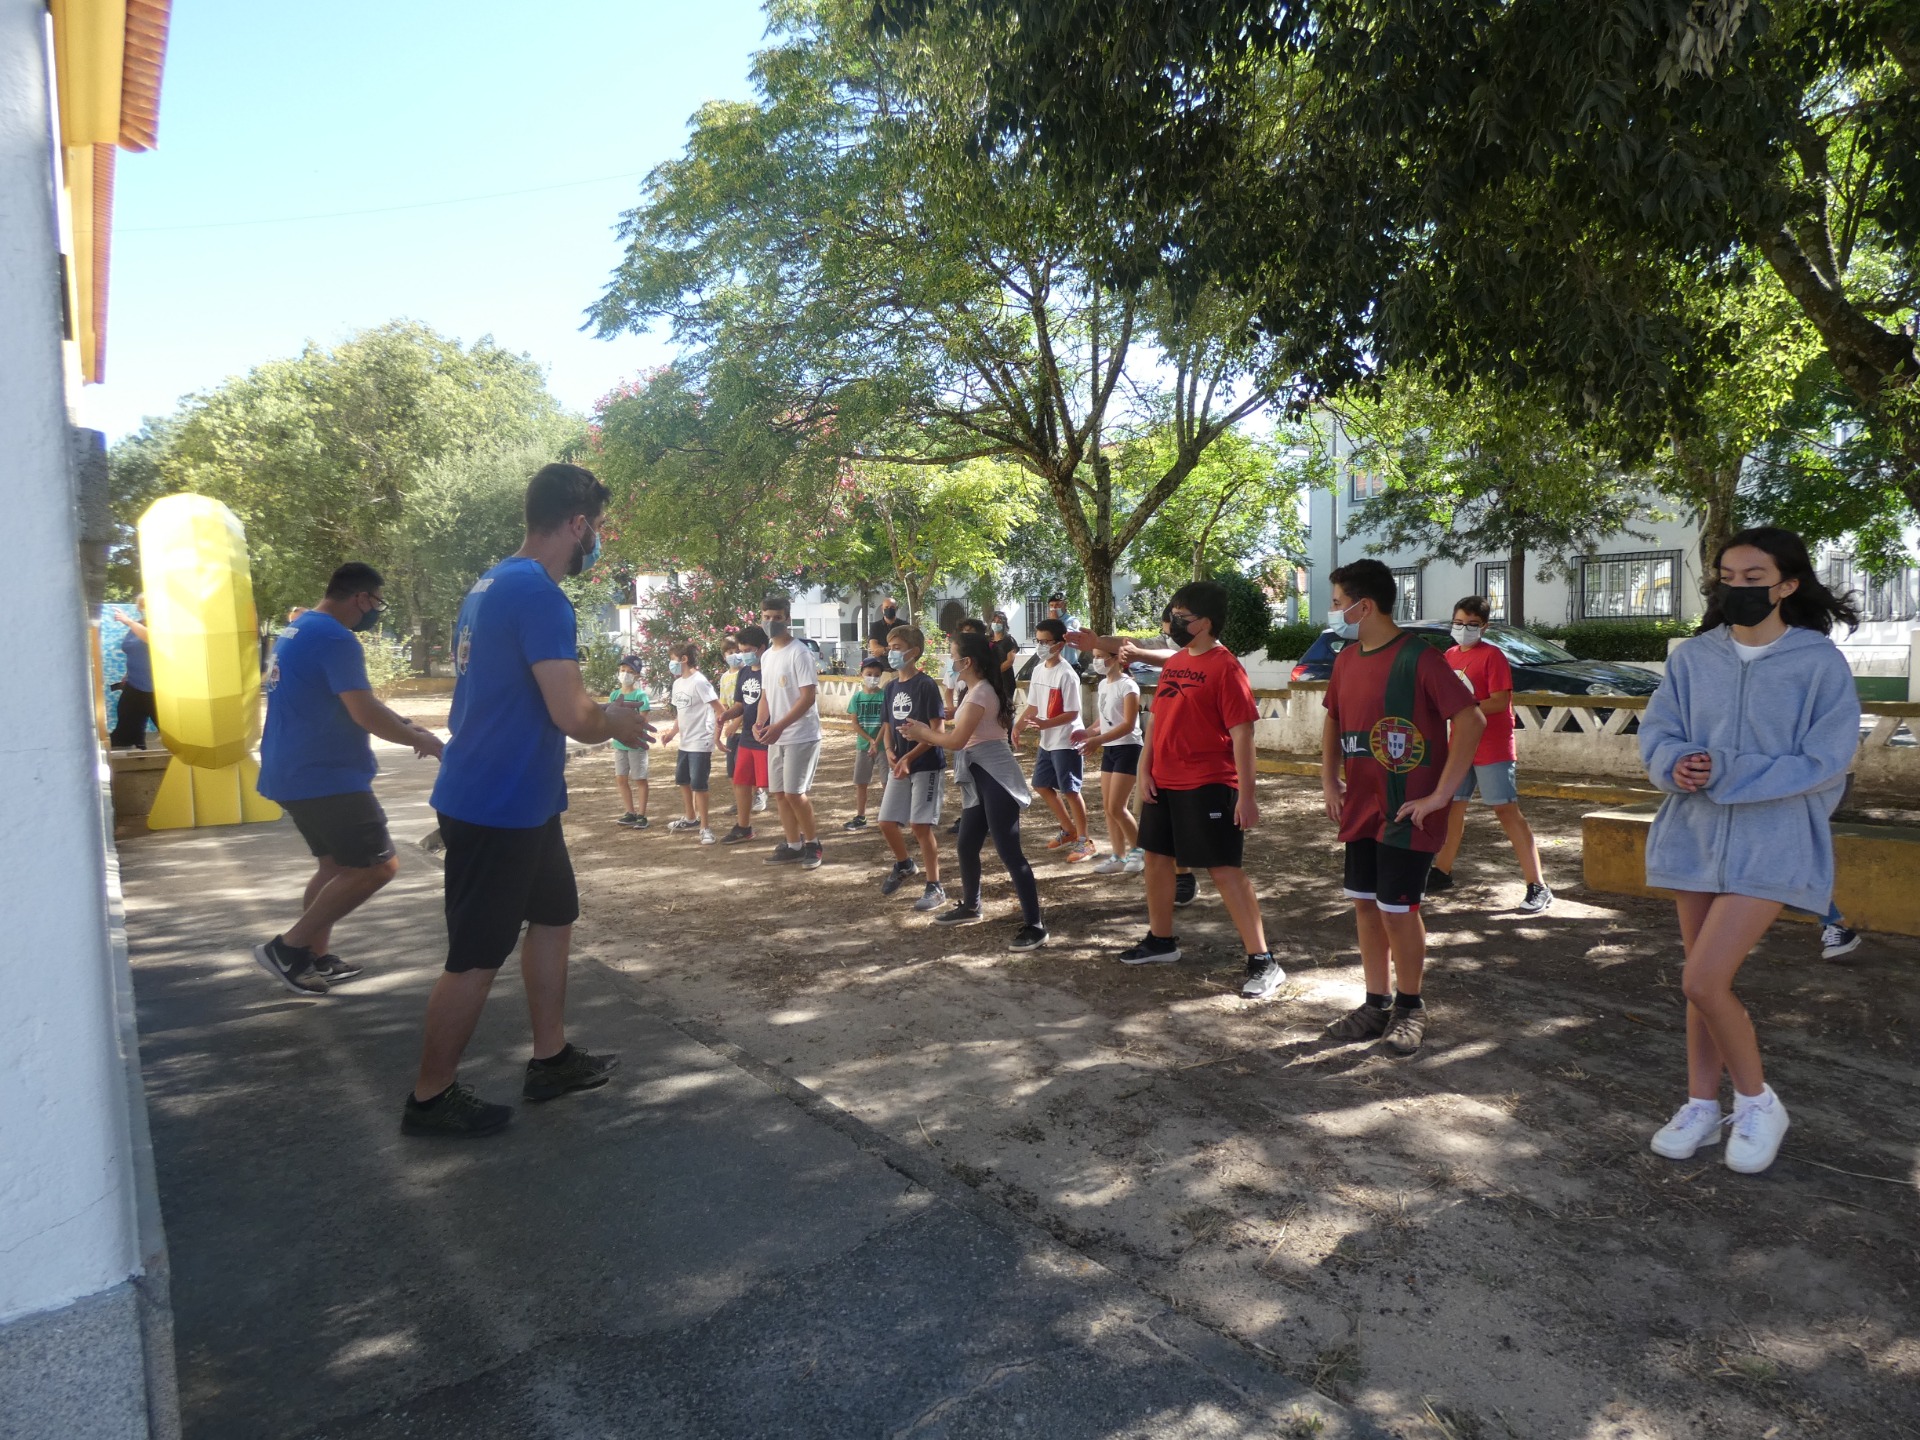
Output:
x=1397 y=744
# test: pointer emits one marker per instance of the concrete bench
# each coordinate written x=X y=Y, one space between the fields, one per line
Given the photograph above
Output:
x=1876 y=867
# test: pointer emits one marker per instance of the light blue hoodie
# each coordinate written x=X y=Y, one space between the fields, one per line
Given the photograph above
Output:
x=1781 y=730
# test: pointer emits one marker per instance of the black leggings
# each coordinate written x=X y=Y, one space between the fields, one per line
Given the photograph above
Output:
x=130 y=723
x=997 y=813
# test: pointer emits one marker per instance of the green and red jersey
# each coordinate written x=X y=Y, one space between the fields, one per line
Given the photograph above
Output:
x=1391 y=707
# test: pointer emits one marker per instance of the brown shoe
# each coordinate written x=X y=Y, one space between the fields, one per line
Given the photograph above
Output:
x=1407 y=1029
x=1363 y=1022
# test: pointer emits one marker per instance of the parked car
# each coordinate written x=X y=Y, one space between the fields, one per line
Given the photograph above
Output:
x=1538 y=664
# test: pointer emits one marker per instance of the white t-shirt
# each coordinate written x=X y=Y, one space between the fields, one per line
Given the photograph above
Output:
x=1113 y=707
x=1055 y=690
x=787 y=670
x=693 y=697
x=1754 y=652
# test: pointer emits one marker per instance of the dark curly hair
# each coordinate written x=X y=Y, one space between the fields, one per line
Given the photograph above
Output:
x=1811 y=606
x=976 y=648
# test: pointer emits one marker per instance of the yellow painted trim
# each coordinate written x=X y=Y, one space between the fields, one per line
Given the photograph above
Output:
x=90 y=56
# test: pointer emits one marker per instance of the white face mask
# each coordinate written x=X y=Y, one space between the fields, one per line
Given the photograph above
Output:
x=872 y=682
x=1468 y=636
x=1342 y=627
x=629 y=680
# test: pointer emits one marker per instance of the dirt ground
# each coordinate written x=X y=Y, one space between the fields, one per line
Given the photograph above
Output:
x=1472 y=1243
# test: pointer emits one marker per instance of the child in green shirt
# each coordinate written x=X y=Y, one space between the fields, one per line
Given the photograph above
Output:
x=630 y=766
x=867 y=711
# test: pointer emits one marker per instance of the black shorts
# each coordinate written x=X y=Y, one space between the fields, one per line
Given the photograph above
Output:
x=1195 y=827
x=1394 y=879
x=499 y=880
x=349 y=829
x=694 y=769
x=1120 y=759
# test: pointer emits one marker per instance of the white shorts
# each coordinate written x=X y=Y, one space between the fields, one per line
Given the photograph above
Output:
x=914 y=800
x=790 y=767
x=630 y=763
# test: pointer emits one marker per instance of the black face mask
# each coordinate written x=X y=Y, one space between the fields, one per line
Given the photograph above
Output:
x=1178 y=632
x=1747 y=605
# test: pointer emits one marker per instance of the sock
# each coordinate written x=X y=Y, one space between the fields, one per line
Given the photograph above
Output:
x=1404 y=1001
x=1265 y=956
x=565 y=1052
x=430 y=1102
x=1744 y=1103
x=1379 y=1002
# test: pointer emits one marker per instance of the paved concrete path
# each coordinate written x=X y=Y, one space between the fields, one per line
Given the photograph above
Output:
x=700 y=1249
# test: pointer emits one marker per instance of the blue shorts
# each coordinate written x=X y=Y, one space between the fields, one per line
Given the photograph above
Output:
x=1120 y=760
x=1499 y=784
x=1058 y=770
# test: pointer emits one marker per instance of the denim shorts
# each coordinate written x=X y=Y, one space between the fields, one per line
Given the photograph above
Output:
x=1059 y=770
x=1498 y=782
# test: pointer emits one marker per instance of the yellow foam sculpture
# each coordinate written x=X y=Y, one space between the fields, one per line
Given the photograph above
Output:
x=204 y=637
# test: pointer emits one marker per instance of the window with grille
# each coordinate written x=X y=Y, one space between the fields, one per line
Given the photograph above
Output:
x=1366 y=482
x=1639 y=586
x=1894 y=597
x=1406 y=603
x=1491 y=581
x=1036 y=611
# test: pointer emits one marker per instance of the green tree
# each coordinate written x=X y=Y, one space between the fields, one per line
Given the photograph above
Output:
x=1482 y=472
x=905 y=298
x=1239 y=511
x=135 y=479
x=317 y=454
x=1478 y=187
x=946 y=524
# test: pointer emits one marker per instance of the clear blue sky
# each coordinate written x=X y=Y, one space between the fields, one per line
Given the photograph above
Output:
x=275 y=110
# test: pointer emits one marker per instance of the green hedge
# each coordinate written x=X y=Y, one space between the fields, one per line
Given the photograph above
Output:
x=1249 y=613
x=1616 y=639
x=1290 y=642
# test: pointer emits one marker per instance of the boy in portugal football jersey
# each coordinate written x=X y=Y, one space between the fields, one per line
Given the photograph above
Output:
x=1389 y=774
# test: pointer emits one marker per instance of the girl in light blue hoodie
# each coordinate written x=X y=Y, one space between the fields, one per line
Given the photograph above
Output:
x=1751 y=733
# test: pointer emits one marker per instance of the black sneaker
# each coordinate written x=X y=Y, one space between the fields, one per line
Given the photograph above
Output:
x=333 y=969
x=962 y=914
x=1152 y=951
x=1406 y=1029
x=811 y=854
x=1028 y=937
x=858 y=822
x=901 y=872
x=1264 y=976
x=1539 y=897
x=737 y=835
x=1438 y=880
x=954 y=829
x=640 y=822
x=630 y=820
x=784 y=854
x=1363 y=1022
x=572 y=1069
x=293 y=968
x=457 y=1114
x=1186 y=888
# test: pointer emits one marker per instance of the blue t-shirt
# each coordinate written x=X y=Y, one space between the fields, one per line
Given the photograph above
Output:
x=506 y=763
x=311 y=746
x=139 y=661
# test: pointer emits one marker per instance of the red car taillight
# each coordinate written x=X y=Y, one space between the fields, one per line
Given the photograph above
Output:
x=1300 y=672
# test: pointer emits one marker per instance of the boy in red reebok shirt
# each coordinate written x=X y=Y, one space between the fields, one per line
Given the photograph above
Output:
x=1485 y=672
x=1196 y=784
x=1388 y=704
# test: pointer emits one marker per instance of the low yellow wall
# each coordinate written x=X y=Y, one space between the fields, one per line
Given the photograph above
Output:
x=1875 y=866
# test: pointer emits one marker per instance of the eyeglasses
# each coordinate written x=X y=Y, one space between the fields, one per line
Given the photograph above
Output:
x=1179 y=618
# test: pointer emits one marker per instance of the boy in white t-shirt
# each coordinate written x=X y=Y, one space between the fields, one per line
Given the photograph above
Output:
x=696 y=721
x=1119 y=739
x=790 y=729
x=1053 y=708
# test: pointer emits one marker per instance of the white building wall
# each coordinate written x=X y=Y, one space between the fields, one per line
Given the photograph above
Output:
x=67 y=1227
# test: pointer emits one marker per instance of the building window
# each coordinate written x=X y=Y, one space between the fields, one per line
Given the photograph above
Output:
x=850 y=629
x=1366 y=482
x=797 y=625
x=1491 y=582
x=1839 y=576
x=1630 y=587
x=1036 y=612
x=1896 y=597
x=1406 y=603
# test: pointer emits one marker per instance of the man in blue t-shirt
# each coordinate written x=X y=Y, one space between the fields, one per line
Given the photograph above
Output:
x=136 y=690
x=517 y=697
x=316 y=761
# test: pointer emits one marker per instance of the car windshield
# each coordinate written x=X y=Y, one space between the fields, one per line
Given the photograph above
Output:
x=1527 y=648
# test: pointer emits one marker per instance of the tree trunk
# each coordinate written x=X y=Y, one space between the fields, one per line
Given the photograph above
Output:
x=1517 y=584
x=1717 y=526
x=1098 y=570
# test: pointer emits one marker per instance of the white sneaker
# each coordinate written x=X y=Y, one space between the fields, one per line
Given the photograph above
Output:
x=1694 y=1125
x=680 y=825
x=759 y=802
x=706 y=838
x=1136 y=860
x=1113 y=865
x=1757 y=1132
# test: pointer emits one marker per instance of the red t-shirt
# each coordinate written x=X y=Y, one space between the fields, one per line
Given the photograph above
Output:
x=1487 y=672
x=1199 y=700
x=1391 y=708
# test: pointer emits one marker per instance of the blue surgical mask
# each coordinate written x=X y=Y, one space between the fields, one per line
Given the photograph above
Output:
x=953 y=674
x=1468 y=636
x=675 y=668
x=737 y=660
x=585 y=559
x=896 y=658
x=1342 y=627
